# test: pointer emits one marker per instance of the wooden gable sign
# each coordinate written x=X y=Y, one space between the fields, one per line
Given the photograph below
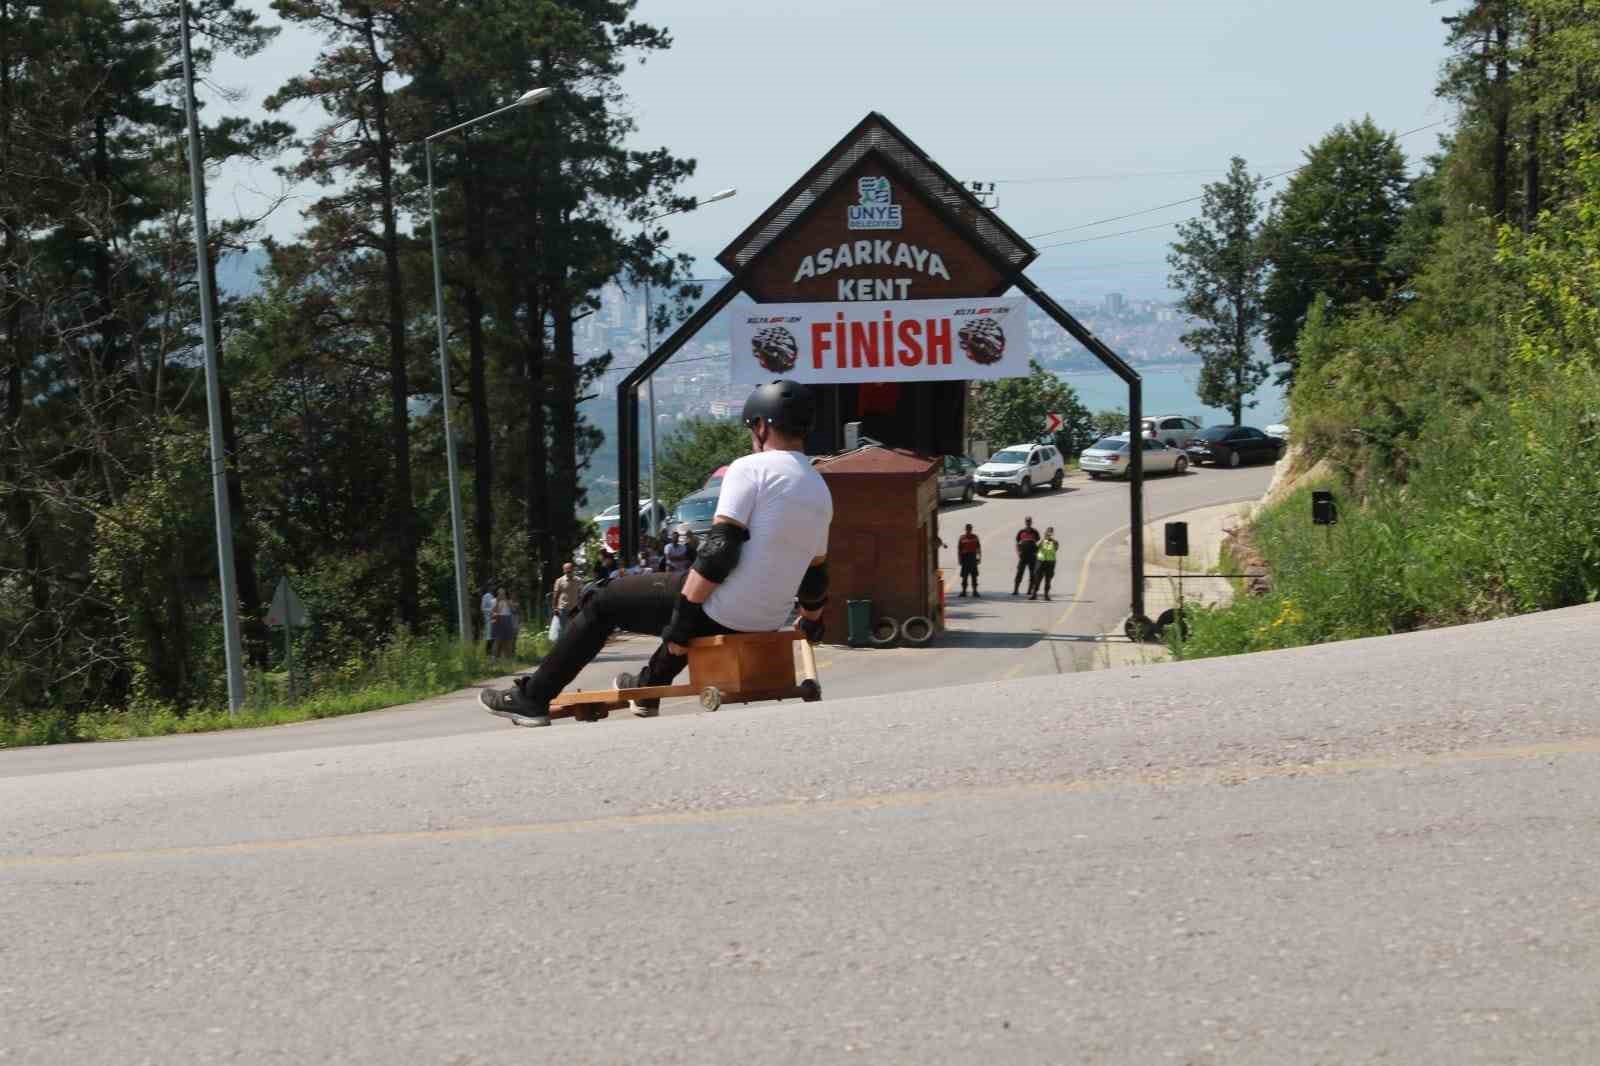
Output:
x=875 y=219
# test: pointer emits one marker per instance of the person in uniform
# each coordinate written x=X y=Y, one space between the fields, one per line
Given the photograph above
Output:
x=765 y=555
x=1027 y=554
x=969 y=553
x=1048 y=548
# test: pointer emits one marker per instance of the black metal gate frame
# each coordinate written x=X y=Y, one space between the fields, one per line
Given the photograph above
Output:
x=628 y=420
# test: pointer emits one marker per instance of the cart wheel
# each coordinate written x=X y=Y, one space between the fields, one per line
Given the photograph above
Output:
x=711 y=698
x=810 y=690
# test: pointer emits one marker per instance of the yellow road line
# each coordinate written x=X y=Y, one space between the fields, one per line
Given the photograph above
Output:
x=1197 y=776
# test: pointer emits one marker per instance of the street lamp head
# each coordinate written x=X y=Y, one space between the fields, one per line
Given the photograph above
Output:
x=533 y=96
x=714 y=197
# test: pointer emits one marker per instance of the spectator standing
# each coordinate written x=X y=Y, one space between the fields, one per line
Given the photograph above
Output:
x=969 y=553
x=607 y=567
x=563 y=600
x=487 y=606
x=1048 y=547
x=1027 y=554
x=677 y=554
x=503 y=625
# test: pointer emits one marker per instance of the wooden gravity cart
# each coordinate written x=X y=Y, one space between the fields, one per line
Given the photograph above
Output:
x=733 y=668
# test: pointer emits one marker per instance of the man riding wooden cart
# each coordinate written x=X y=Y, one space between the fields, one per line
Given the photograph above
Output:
x=765 y=554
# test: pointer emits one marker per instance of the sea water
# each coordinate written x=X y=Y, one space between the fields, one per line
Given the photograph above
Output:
x=1174 y=391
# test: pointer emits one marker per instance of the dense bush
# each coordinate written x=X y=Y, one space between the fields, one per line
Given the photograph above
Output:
x=1464 y=429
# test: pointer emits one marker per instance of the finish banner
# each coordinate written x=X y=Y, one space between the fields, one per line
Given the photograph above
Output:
x=902 y=340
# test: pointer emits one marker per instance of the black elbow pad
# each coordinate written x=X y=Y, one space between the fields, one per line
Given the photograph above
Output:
x=719 y=551
x=814 y=587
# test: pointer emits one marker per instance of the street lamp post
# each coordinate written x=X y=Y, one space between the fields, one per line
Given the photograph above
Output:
x=232 y=649
x=649 y=325
x=527 y=99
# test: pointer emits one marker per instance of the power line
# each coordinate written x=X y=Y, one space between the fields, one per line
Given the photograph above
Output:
x=1103 y=177
x=1179 y=203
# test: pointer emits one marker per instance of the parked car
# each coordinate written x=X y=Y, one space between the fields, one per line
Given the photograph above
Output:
x=1234 y=445
x=608 y=523
x=714 y=482
x=1021 y=468
x=696 y=510
x=956 y=479
x=1108 y=457
x=1176 y=430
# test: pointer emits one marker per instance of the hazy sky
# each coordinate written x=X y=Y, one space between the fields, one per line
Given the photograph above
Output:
x=1081 y=111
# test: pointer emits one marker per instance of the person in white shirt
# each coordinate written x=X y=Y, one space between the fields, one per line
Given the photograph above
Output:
x=765 y=554
x=487 y=606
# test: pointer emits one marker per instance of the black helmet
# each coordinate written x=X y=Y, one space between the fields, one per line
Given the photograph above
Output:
x=788 y=405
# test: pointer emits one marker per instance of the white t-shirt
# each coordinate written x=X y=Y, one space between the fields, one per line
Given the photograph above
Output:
x=784 y=503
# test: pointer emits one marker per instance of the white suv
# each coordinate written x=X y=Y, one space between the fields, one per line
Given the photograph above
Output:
x=1021 y=468
x=1176 y=430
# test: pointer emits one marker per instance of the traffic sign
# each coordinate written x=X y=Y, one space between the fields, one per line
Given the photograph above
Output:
x=1054 y=423
x=286 y=607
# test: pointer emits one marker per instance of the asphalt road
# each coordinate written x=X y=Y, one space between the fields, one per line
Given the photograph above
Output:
x=1381 y=851
x=992 y=638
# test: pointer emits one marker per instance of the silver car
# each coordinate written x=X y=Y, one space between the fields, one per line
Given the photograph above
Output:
x=955 y=478
x=1108 y=457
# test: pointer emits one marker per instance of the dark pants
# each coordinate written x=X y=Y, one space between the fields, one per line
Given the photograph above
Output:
x=1045 y=574
x=1025 y=565
x=638 y=603
x=969 y=569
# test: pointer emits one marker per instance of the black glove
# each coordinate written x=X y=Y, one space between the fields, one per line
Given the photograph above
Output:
x=812 y=630
x=687 y=622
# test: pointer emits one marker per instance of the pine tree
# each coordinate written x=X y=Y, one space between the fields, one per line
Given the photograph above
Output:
x=360 y=224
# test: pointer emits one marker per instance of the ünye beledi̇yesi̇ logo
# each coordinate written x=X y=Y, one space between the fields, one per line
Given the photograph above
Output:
x=876 y=209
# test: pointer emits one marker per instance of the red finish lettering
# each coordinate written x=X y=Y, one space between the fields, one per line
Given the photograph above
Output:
x=938 y=340
x=820 y=342
x=863 y=344
x=910 y=342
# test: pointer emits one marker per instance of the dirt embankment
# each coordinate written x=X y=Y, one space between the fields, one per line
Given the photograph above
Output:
x=1240 y=543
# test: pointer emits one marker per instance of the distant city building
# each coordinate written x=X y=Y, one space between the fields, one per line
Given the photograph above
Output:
x=1115 y=302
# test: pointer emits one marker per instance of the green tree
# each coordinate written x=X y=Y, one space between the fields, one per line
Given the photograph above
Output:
x=1330 y=231
x=694 y=450
x=356 y=149
x=1110 y=422
x=1013 y=410
x=1218 y=267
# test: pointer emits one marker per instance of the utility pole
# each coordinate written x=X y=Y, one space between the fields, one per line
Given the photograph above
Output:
x=219 y=462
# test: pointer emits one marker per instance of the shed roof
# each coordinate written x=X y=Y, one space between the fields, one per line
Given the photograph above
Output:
x=874 y=459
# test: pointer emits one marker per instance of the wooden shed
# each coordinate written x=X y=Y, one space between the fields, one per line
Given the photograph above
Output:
x=883 y=545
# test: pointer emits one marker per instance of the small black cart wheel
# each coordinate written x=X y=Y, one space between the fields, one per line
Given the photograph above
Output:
x=810 y=690
x=1169 y=618
x=1138 y=628
x=966 y=497
x=1056 y=479
x=711 y=697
